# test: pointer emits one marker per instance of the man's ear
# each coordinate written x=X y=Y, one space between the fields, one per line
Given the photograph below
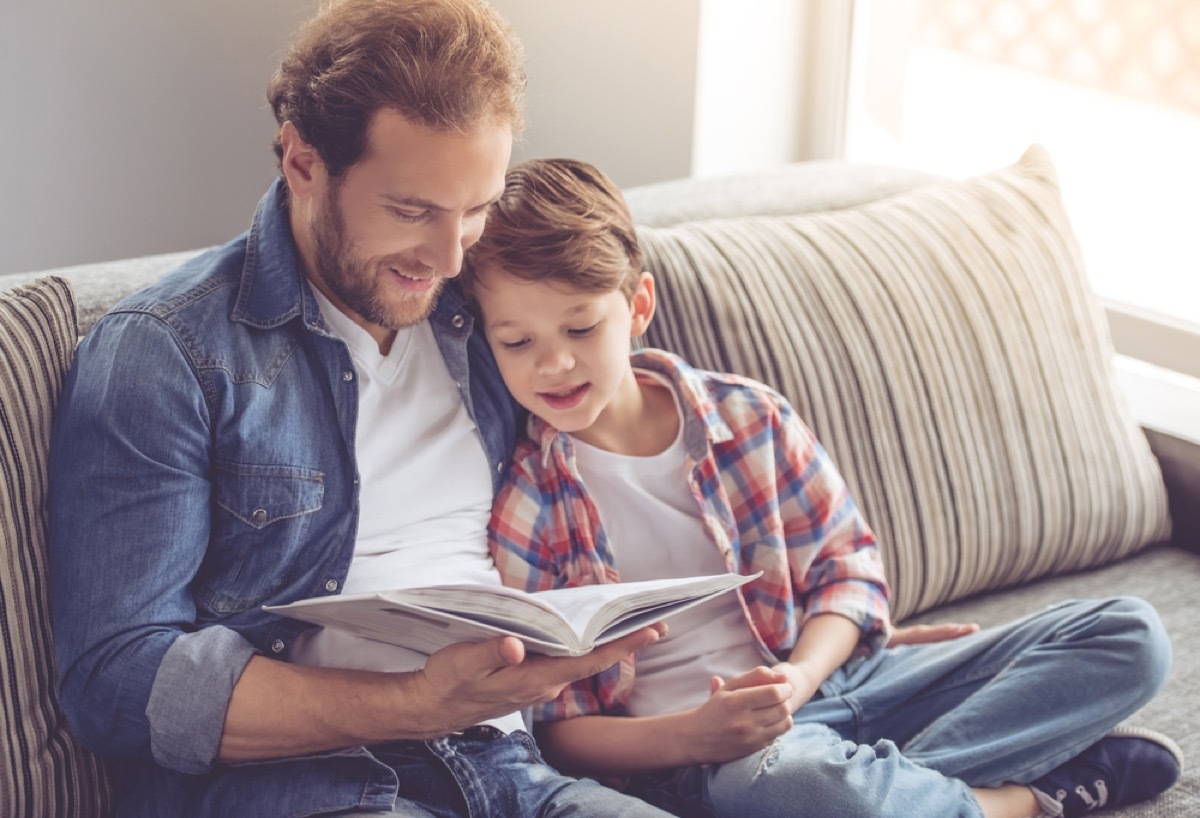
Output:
x=301 y=164
x=641 y=305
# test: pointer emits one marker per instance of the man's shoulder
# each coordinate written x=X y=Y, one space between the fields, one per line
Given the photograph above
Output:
x=212 y=275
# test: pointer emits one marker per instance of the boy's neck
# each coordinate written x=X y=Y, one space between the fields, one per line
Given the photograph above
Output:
x=643 y=428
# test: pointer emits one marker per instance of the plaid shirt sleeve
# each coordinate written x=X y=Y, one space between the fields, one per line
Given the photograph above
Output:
x=529 y=529
x=519 y=533
x=832 y=553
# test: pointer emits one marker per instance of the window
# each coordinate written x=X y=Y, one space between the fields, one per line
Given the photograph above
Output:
x=1112 y=89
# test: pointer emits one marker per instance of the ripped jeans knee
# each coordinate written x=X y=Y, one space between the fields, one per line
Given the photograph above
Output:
x=811 y=770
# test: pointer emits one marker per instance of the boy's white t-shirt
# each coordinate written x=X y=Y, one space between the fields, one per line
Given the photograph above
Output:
x=654 y=529
x=425 y=493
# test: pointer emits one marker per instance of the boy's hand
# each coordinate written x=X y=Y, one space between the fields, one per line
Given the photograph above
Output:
x=741 y=716
x=467 y=683
x=803 y=680
x=921 y=634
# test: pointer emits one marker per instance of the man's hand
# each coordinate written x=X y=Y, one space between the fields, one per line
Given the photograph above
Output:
x=741 y=716
x=922 y=634
x=467 y=683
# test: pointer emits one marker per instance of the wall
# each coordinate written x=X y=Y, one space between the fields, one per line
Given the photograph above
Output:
x=610 y=82
x=140 y=126
x=133 y=126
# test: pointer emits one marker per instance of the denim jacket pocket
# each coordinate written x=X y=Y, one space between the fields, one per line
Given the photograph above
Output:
x=260 y=522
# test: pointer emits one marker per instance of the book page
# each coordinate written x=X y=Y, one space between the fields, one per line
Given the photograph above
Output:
x=561 y=621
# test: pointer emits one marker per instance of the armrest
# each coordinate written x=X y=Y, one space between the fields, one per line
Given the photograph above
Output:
x=1180 y=463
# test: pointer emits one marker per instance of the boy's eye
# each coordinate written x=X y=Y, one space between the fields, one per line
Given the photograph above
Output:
x=513 y=346
x=582 y=331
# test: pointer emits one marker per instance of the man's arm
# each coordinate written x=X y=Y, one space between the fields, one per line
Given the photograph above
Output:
x=279 y=709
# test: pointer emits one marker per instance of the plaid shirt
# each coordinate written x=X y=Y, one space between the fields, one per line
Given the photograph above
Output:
x=767 y=493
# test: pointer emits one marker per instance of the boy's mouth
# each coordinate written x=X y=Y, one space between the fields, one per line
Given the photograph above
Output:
x=565 y=398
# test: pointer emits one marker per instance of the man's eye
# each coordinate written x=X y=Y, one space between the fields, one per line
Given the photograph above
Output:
x=583 y=331
x=408 y=215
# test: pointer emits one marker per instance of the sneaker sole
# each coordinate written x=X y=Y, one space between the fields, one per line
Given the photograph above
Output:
x=1131 y=731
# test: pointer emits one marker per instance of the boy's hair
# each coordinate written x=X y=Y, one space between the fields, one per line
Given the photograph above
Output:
x=443 y=64
x=559 y=220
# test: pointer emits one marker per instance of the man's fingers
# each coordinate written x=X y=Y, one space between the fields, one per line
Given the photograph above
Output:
x=609 y=654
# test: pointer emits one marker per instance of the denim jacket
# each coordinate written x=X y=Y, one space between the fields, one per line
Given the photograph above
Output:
x=202 y=466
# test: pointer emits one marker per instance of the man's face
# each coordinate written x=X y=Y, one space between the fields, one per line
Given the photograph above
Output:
x=384 y=237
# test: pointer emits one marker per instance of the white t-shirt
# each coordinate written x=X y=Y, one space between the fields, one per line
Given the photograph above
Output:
x=654 y=528
x=425 y=489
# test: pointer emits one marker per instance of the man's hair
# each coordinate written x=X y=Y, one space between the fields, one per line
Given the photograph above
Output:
x=559 y=220
x=443 y=64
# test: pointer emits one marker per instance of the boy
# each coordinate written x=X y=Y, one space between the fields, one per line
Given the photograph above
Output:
x=784 y=698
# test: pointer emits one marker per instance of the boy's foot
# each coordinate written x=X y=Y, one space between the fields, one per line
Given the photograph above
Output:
x=1128 y=765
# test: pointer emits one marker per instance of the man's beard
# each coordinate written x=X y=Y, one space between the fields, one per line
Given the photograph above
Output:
x=356 y=281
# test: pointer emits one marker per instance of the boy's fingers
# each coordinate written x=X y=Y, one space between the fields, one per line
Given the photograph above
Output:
x=923 y=634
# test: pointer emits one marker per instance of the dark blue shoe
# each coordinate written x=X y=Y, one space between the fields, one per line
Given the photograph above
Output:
x=1128 y=765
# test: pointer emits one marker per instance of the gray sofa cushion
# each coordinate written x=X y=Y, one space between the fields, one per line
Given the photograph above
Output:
x=945 y=347
x=43 y=770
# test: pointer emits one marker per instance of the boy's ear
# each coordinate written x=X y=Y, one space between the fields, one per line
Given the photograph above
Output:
x=301 y=164
x=641 y=305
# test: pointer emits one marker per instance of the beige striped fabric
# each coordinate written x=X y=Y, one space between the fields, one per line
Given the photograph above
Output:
x=944 y=346
x=43 y=771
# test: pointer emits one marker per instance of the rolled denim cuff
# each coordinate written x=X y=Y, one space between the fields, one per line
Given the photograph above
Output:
x=190 y=696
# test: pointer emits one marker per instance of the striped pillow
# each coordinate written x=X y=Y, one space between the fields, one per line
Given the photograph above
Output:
x=944 y=346
x=43 y=770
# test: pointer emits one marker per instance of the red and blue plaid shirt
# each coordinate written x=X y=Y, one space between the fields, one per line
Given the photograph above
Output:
x=767 y=493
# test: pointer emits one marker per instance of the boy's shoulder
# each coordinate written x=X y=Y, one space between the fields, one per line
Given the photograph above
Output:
x=698 y=384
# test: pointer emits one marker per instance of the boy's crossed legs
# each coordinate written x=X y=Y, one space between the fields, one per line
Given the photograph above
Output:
x=911 y=730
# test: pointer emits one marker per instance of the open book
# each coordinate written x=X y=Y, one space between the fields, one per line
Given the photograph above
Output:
x=561 y=622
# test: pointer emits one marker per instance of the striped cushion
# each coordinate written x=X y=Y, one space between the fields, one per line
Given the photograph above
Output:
x=944 y=346
x=43 y=771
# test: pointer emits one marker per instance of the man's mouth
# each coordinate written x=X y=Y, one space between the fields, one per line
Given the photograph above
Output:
x=414 y=282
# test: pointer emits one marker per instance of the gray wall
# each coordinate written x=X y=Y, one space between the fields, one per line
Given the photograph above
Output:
x=130 y=127
x=611 y=82
x=133 y=126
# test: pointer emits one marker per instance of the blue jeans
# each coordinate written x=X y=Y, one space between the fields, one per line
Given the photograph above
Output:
x=505 y=777
x=907 y=732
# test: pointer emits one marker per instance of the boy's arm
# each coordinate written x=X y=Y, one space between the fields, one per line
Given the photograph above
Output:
x=826 y=642
x=740 y=717
x=834 y=557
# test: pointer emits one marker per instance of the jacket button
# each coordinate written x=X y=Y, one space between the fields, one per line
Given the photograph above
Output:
x=259 y=516
x=457 y=321
x=277 y=646
x=331 y=586
x=347 y=376
x=500 y=467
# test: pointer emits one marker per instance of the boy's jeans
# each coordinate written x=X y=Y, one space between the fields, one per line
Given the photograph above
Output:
x=906 y=732
x=487 y=777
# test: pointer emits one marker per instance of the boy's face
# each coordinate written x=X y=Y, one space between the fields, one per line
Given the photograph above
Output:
x=564 y=353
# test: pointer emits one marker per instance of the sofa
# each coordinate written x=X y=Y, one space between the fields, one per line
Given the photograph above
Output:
x=937 y=334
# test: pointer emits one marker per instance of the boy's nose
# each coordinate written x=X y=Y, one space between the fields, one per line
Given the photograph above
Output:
x=553 y=361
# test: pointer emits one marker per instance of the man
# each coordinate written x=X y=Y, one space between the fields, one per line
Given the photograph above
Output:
x=307 y=411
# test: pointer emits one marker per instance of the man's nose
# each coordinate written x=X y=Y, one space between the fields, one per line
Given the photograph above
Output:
x=442 y=250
